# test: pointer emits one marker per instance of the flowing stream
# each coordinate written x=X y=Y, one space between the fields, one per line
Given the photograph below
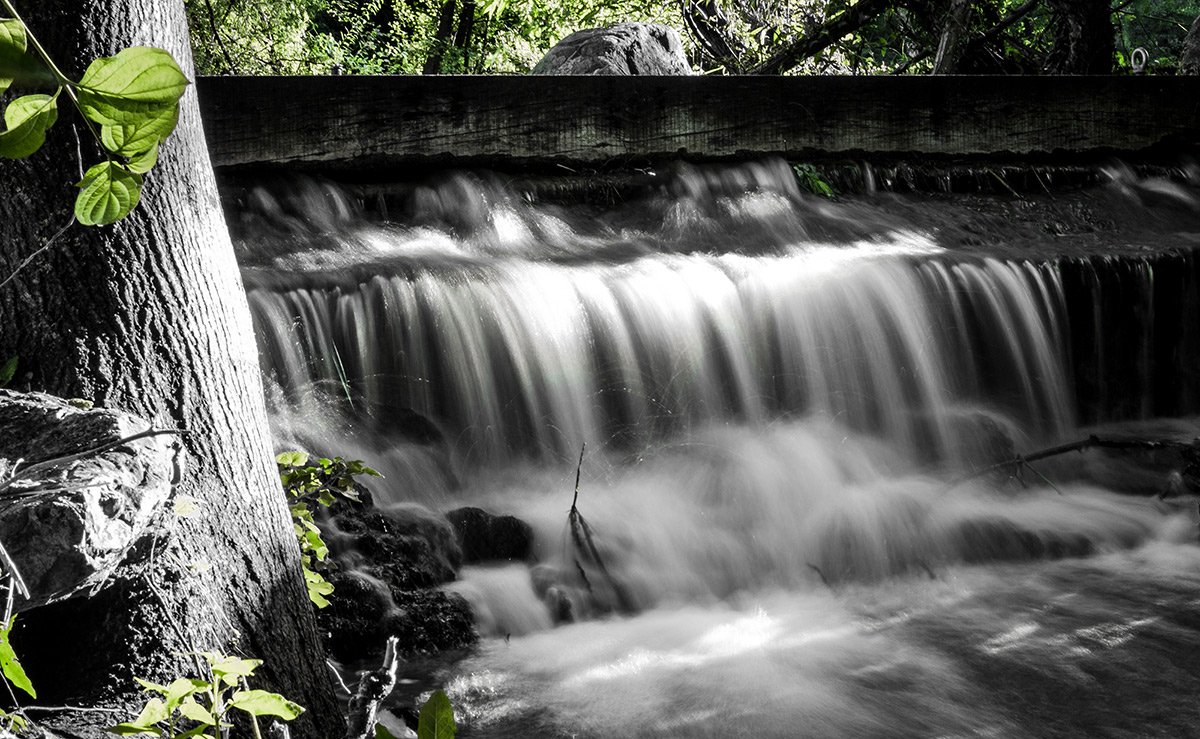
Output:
x=776 y=393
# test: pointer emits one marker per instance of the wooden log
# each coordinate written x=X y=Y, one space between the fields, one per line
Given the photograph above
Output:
x=365 y=123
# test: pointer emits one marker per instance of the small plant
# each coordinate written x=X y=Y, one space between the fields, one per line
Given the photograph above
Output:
x=191 y=707
x=14 y=675
x=436 y=720
x=307 y=485
x=810 y=179
x=8 y=371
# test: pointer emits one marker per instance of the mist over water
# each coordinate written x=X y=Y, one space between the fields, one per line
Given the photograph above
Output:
x=776 y=392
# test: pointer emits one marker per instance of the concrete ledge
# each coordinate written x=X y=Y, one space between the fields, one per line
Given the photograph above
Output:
x=383 y=122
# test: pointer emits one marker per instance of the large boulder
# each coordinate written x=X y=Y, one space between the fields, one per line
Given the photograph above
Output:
x=73 y=501
x=484 y=537
x=623 y=49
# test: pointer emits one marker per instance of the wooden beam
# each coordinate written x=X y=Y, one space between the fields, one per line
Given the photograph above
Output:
x=386 y=122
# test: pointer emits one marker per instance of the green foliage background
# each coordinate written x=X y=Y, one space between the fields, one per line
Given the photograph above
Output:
x=262 y=37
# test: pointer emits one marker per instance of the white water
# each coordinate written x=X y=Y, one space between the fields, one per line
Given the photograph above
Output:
x=772 y=422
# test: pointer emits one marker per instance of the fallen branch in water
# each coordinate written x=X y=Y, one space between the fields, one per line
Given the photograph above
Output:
x=1190 y=449
x=583 y=539
x=373 y=688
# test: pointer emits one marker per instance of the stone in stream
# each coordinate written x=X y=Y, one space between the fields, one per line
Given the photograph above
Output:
x=390 y=563
x=643 y=49
x=69 y=525
x=484 y=537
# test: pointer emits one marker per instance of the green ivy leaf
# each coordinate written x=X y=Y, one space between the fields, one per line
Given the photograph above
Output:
x=182 y=688
x=292 y=459
x=10 y=665
x=263 y=703
x=136 y=85
x=110 y=192
x=8 y=371
x=230 y=669
x=27 y=118
x=436 y=720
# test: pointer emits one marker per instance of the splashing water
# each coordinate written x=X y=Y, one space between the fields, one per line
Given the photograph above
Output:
x=775 y=390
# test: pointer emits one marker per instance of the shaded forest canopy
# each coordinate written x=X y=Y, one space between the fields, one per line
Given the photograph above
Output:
x=722 y=36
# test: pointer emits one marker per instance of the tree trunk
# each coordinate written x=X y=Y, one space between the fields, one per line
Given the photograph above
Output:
x=1189 y=58
x=1084 y=37
x=150 y=316
x=462 y=34
x=953 y=39
x=441 y=38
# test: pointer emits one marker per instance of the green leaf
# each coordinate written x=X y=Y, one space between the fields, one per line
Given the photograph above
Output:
x=10 y=665
x=181 y=688
x=27 y=118
x=318 y=588
x=436 y=720
x=292 y=459
x=13 y=44
x=147 y=685
x=263 y=703
x=110 y=192
x=381 y=732
x=190 y=709
x=8 y=371
x=141 y=136
x=136 y=85
x=144 y=162
x=153 y=712
x=229 y=669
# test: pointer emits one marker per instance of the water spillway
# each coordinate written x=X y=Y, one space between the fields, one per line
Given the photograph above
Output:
x=774 y=391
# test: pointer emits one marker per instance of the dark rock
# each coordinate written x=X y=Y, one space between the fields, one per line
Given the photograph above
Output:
x=623 y=49
x=68 y=525
x=407 y=548
x=484 y=537
x=364 y=612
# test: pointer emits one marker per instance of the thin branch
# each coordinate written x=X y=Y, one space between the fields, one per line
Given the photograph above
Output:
x=1092 y=442
x=822 y=37
x=373 y=688
x=45 y=247
x=985 y=37
x=212 y=23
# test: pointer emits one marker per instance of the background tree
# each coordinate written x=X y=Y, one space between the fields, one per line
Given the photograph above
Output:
x=150 y=316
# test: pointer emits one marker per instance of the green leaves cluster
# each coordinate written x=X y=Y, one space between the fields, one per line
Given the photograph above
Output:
x=130 y=103
x=321 y=482
x=191 y=707
x=810 y=180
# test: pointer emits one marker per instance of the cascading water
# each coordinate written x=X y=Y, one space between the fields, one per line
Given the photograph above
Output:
x=774 y=391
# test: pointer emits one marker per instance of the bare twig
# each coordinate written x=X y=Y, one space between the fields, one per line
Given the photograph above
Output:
x=44 y=248
x=822 y=37
x=373 y=688
x=1092 y=442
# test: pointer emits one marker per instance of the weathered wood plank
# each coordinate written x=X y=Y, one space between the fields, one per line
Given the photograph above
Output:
x=370 y=122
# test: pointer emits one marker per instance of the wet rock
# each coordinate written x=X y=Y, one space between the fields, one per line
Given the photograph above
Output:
x=68 y=525
x=484 y=537
x=406 y=547
x=623 y=49
x=364 y=612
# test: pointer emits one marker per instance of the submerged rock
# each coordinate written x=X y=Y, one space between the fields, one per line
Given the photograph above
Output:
x=623 y=49
x=407 y=548
x=67 y=525
x=484 y=537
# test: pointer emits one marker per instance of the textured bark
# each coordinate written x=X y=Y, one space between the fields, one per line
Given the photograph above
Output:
x=1189 y=58
x=1084 y=37
x=149 y=316
x=953 y=39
